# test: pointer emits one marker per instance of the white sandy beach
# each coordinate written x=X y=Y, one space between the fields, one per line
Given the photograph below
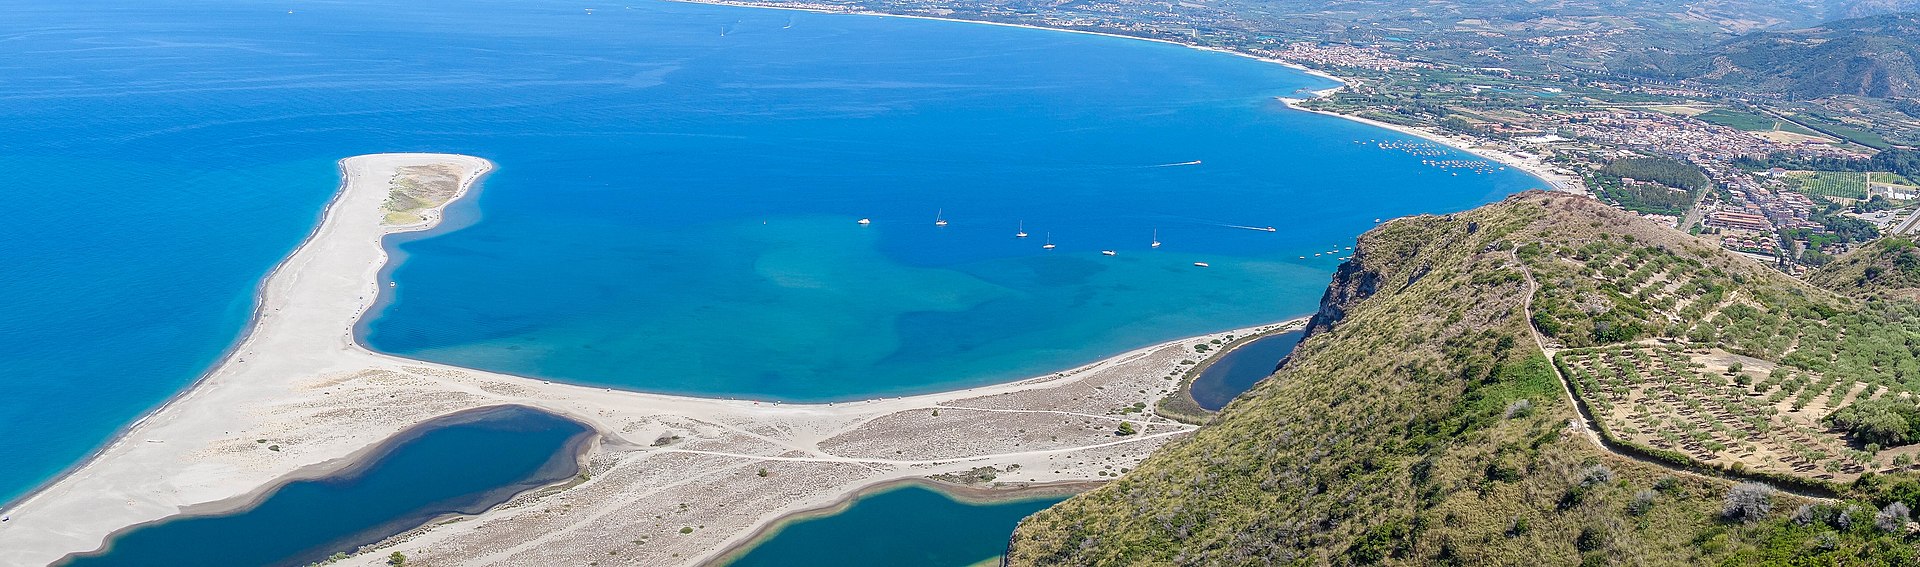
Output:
x=661 y=463
x=832 y=9
x=1531 y=165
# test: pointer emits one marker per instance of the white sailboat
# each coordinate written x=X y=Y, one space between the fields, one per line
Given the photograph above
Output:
x=865 y=222
x=937 y=220
x=1022 y=230
x=1156 y=238
x=1049 y=244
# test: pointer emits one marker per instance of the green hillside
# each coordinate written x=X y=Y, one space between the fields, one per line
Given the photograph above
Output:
x=1886 y=269
x=1422 y=422
x=1873 y=56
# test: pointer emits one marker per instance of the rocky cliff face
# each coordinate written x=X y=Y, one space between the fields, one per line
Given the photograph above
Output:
x=1352 y=283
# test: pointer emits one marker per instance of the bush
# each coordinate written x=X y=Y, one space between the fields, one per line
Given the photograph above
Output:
x=1748 y=502
x=397 y=559
x=1125 y=429
x=1597 y=474
x=1519 y=528
x=1590 y=539
x=1642 y=502
x=1807 y=514
x=1892 y=518
x=1519 y=408
x=1844 y=518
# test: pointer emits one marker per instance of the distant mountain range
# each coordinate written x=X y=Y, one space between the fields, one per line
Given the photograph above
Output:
x=1873 y=56
x=1863 y=8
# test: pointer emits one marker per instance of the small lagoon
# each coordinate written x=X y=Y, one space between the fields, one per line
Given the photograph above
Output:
x=459 y=464
x=674 y=205
x=1239 y=369
x=907 y=525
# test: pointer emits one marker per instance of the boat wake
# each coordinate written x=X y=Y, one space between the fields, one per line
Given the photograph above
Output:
x=1184 y=163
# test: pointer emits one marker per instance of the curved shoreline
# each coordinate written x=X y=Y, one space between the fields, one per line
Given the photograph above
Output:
x=120 y=439
x=1177 y=405
x=253 y=322
x=301 y=379
x=358 y=463
x=823 y=10
x=960 y=493
x=1554 y=181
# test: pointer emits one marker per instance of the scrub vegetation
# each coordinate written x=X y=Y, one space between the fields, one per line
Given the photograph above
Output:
x=1421 y=423
x=417 y=188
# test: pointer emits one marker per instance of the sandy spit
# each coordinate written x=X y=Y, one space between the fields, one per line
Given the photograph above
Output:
x=716 y=469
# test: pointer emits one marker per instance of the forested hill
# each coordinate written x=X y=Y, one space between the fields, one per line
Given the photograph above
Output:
x=1872 y=56
x=1421 y=422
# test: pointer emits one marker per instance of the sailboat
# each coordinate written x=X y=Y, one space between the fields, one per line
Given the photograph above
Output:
x=1049 y=244
x=1156 y=238
x=1022 y=231
x=864 y=222
x=937 y=220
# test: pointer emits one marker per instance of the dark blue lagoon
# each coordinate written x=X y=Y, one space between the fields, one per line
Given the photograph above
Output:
x=675 y=201
x=464 y=463
x=909 y=525
x=1241 y=368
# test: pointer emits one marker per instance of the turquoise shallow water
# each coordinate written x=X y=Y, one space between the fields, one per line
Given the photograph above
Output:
x=463 y=464
x=910 y=525
x=673 y=209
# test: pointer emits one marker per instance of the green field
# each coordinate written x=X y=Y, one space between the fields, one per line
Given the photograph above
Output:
x=1739 y=120
x=1844 y=131
x=1752 y=122
x=1849 y=184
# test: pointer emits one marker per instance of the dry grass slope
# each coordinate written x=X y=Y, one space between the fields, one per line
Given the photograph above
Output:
x=1419 y=424
x=1888 y=269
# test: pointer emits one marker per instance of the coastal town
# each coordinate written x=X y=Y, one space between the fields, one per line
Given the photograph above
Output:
x=1764 y=194
x=752 y=284
x=1778 y=181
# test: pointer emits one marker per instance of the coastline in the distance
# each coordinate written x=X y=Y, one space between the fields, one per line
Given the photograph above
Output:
x=1555 y=180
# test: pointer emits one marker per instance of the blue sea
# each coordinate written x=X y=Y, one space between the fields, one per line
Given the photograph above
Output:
x=675 y=201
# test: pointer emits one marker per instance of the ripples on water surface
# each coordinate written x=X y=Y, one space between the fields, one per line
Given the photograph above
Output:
x=675 y=201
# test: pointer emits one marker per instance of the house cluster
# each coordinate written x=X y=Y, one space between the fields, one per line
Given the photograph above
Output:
x=1679 y=135
x=1318 y=55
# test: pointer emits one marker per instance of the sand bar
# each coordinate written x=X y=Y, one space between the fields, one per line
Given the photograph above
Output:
x=661 y=463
